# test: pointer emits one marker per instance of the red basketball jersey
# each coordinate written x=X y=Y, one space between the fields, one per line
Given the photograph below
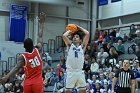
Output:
x=33 y=68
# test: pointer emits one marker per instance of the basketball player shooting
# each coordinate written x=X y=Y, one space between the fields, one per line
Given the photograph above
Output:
x=75 y=77
x=32 y=63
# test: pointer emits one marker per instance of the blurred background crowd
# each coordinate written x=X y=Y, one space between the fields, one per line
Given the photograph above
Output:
x=103 y=57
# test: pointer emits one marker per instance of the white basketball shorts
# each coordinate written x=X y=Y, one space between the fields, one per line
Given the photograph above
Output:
x=75 y=79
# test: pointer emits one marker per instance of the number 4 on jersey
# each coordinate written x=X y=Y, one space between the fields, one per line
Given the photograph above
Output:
x=34 y=62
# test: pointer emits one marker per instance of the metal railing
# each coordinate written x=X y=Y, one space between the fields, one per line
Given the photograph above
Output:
x=11 y=62
x=3 y=66
x=51 y=46
x=45 y=47
x=59 y=44
x=54 y=45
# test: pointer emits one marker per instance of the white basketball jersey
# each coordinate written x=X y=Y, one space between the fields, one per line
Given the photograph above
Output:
x=75 y=57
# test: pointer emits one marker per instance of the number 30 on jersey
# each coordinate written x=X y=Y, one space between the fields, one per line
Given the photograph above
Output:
x=34 y=62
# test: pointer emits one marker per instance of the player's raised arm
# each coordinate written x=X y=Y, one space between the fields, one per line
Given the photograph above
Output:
x=66 y=39
x=86 y=37
x=20 y=64
x=40 y=33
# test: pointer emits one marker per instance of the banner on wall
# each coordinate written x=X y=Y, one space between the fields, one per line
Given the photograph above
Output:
x=112 y=1
x=102 y=2
x=18 y=19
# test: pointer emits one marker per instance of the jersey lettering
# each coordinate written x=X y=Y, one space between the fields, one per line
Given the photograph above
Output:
x=34 y=62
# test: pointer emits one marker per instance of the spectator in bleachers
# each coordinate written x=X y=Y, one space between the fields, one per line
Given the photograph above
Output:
x=132 y=31
x=113 y=53
x=45 y=65
x=94 y=68
x=119 y=64
x=89 y=88
x=94 y=48
x=61 y=81
x=109 y=45
x=115 y=69
x=104 y=45
x=138 y=29
x=100 y=71
x=50 y=77
x=120 y=47
x=44 y=73
x=119 y=35
x=101 y=36
x=126 y=38
x=102 y=56
x=99 y=63
x=45 y=62
x=58 y=70
x=110 y=79
x=8 y=88
x=137 y=39
x=92 y=82
x=107 y=37
x=112 y=58
x=63 y=62
x=106 y=87
x=137 y=52
x=89 y=51
x=47 y=80
x=96 y=34
x=113 y=33
x=97 y=87
x=19 y=76
x=102 y=77
x=94 y=78
x=112 y=36
x=49 y=58
x=86 y=66
x=106 y=73
x=17 y=88
x=136 y=70
x=61 y=77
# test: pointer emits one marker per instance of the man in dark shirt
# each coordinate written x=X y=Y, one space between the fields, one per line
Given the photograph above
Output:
x=125 y=78
x=86 y=66
x=132 y=31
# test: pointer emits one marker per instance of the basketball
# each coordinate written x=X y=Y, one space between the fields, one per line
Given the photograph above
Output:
x=72 y=27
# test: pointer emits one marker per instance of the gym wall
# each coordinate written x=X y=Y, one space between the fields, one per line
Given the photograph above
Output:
x=59 y=16
x=124 y=12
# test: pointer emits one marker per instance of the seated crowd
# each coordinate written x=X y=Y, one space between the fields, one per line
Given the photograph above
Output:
x=101 y=63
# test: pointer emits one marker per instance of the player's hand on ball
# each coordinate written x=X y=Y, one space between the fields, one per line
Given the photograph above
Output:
x=71 y=27
x=70 y=31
